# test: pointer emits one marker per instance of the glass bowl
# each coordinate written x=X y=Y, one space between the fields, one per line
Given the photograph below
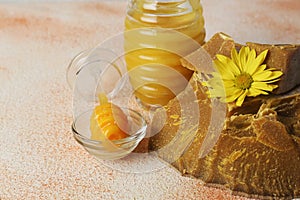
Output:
x=110 y=149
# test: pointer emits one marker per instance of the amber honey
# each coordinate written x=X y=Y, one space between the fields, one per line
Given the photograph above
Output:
x=159 y=33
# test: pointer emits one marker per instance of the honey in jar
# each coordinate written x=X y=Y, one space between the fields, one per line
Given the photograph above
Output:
x=157 y=34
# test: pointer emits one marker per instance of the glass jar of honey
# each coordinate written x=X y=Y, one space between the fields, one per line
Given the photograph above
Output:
x=158 y=34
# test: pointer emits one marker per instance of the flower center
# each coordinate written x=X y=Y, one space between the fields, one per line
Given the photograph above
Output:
x=243 y=81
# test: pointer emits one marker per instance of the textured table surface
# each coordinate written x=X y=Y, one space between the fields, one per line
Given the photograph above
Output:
x=39 y=158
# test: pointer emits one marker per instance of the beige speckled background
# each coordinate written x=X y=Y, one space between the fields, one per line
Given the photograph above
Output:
x=39 y=158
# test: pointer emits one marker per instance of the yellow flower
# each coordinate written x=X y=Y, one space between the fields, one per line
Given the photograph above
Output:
x=244 y=74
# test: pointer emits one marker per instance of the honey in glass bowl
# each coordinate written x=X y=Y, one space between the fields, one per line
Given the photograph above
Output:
x=157 y=34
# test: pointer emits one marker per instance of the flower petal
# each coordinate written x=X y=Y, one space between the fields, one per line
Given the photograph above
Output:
x=261 y=57
x=251 y=56
x=252 y=65
x=223 y=70
x=222 y=58
x=276 y=74
x=241 y=98
x=262 y=76
x=242 y=58
x=253 y=92
x=235 y=57
x=262 y=86
x=256 y=62
x=234 y=68
x=259 y=69
x=231 y=90
x=272 y=81
x=228 y=83
x=236 y=94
